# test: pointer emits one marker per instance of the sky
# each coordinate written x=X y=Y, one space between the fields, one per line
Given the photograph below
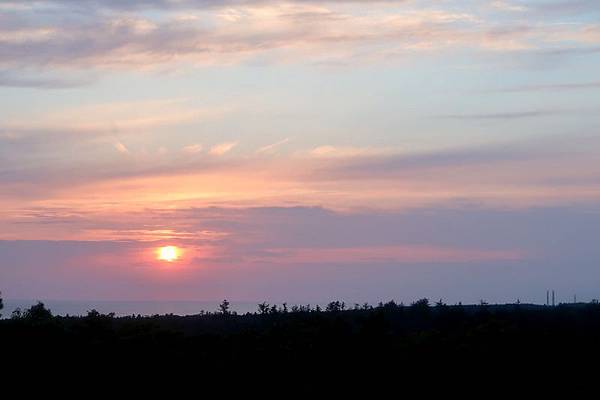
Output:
x=300 y=151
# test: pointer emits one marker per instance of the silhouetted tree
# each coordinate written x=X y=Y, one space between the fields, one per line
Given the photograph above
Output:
x=224 y=307
x=37 y=313
x=422 y=303
x=441 y=306
x=390 y=305
x=263 y=308
x=98 y=324
x=335 y=306
x=420 y=307
x=93 y=313
x=16 y=314
x=1 y=303
x=305 y=308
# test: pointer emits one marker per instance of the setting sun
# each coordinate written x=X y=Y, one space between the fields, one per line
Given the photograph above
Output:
x=168 y=253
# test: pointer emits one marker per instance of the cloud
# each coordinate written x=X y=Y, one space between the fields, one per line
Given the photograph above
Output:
x=222 y=33
x=165 y=5
x=193 y=148
x=549 y=87
x=100 y=119
x=484 y=172
x=121 y=148
x=273 y=147
x=507 y=6
x=503 y=115
x=222 y=148
x=565 y=6
x=389 y=254
x=378 y=166
x=510 y=174
x=18 y=80
x=328 y=151
x=287 y=252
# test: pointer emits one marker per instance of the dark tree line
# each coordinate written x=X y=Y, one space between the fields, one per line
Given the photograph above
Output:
x=319 y=341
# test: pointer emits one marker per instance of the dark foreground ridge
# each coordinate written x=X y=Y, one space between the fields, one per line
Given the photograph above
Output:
x=314 y=341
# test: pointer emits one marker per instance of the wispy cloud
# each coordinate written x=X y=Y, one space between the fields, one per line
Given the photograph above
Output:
x=106 y=118
x=383 y=254
x=121 y=148
x=164 y=5
x=548 y=87
x=503 y=115
x=222 y=148
x=273 y=147
x=508 y=6
x=564 y=6
x=193 y=148
x=509 y=174
x=328 y=151
x=19 y=79
x=220 y=33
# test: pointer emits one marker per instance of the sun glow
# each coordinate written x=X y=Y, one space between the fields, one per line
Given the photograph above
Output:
x=168 y=253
